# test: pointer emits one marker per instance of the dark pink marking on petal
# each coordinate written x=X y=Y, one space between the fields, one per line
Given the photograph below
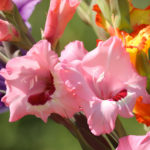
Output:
x=120 y=95
x=42 y=98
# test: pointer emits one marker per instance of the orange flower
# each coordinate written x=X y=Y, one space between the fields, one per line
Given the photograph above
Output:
x=139 y=18
x=139 y=38
x=142 y=112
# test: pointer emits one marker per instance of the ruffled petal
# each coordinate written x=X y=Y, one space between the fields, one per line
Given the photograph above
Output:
x=133 y=142
x=126 y=105
x=109 y=57
x=76 y=83
x=43 y=53
x=73 y=51
x=101 y=116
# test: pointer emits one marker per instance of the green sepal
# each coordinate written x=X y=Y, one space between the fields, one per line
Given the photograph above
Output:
x=120 y=15
x=142 y=64
x=84 y=12
x=105 y=9
x=148 y=85
x=116 y=12
x=143 y=67
x=149 y=54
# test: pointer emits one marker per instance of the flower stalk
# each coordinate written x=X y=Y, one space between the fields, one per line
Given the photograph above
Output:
x=26 y=40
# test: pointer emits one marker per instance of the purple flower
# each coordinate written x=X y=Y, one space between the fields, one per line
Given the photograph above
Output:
x=3 y=108
x=2 y=84
x=26 y=8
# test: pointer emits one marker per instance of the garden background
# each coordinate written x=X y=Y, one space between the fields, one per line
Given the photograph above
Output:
x=30 y=133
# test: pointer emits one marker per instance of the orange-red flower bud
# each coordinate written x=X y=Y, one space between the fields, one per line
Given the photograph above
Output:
x=6 y=5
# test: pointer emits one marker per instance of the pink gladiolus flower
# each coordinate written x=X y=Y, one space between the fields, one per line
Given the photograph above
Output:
x=34 y=85
x=6 y=5
x=133 y=142
x=59 y=14
x=8 y=31
x=105 y=84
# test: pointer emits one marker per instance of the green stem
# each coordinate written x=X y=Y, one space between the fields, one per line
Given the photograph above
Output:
x=79 y=129
x=109 y=140
x=119 y=129
x=26 y=40
x=3 y=58
x=78 y=135
x=2 y=91
x=96 y=142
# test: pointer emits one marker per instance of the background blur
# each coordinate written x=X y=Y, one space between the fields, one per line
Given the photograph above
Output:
x=31 y=133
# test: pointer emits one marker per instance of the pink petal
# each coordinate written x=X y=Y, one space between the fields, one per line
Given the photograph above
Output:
x=76 y=83
x=109 y=57
x=17 y=108
x=73 y=51
x=65 y=102
x=133 y=142
x=65 y=105
x=43 y=50
x=126 y=105
x=101 y=116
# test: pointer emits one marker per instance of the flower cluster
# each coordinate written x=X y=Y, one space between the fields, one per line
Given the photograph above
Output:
x=110 y=80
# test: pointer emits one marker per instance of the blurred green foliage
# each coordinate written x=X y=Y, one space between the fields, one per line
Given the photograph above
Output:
x=31 y=133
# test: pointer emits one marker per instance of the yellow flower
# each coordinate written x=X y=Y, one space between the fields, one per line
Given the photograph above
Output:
x=141 y=41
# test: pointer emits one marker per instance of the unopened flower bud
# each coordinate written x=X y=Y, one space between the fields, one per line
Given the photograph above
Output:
x=8 y=32
x=59 y=14
x=6 y=5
